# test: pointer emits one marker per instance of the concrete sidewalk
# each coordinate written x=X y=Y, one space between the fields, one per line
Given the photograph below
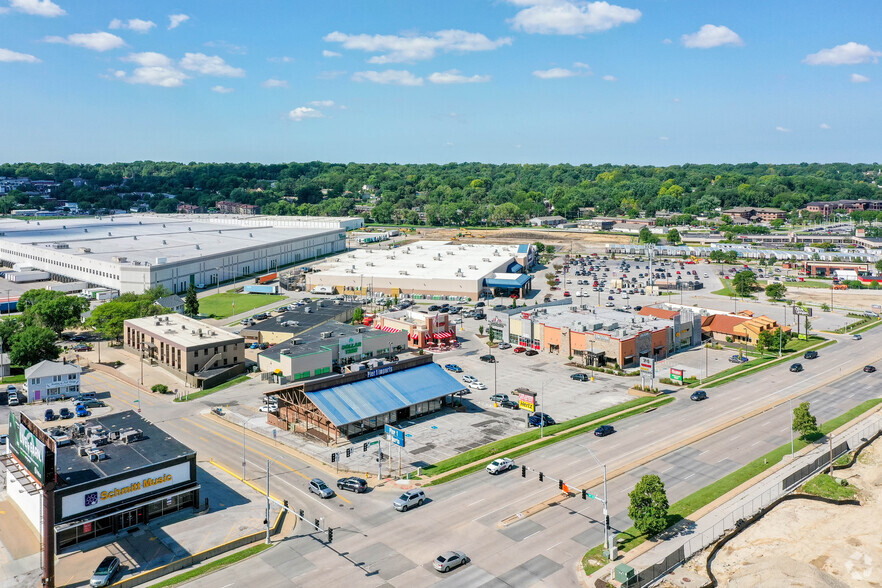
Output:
x=711 y=522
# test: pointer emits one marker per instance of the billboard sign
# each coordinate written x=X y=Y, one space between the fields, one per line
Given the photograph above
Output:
x=800 y=311
x=29 y=450
x=647 y=367
x=527 y=401
x=394 y=435
x=677 y=375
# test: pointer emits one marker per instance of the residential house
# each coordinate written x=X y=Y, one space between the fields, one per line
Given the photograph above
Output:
x=174 y=303
x=547 y=221
x=52 y=380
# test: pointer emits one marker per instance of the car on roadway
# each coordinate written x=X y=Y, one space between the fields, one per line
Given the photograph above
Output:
x=353 y=484
x=504 y=345
x=498 y=397
x=509 y=404
x=82 y=411
x=488 y=358
x=519 y=349
x=452 y=367
x=856 y=337
x=317 y=486
x=540 y=419
x=581 y=377
x=449 y=560
x=810 y=355
x=477 y=386
x=411 y=498
x=469 y=379
x=503 y=464
x=104 y=573
x=796 y=367
x=531 y=352
x=604 y=430
x=869 y=369
x=698 y=395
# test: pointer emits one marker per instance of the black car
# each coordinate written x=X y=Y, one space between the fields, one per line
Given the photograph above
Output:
x=434 y=308
x=531 y=352
x=796 y=367
x=580 y=377
x=604 y=430
x=698 y=395
x=540 y=418
x=80 y=338
x=357 y=485
x=479 y=305
x=869 y=369
x=488 y=358
x=810 y=355
x=509 y=404
x=479 y=316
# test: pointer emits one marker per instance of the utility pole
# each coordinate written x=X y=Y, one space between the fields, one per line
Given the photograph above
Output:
x=267 y=502
x=542 y=404
x=790 y=408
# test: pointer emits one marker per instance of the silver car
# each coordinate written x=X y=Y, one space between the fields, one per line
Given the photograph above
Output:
x=411 y=498
x=318 y=487
x=105 y=572
x=449 y=560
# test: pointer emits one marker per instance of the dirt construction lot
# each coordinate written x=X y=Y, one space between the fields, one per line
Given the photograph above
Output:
x=562 y=240
x=803 y=543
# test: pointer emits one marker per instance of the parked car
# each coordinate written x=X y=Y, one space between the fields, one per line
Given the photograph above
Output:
x=260 y=316
x=531 y=352
x=498 y=397
x=452 y=367
x=104 y=573
x=269 y=408
x=82 y=411
x=519 y=349
x=738 y=359
x=409 y=499
x=796 y=367
x=510 y=404
x=81 y=347
x=469 y=379
x=65 y=413
x=497 y=466
x=698 y=395
x=810 y=355
x=479 y=305
x=353 y=484
x=869 y=369
x=4 y=439
x=254 y=346
x=49 y=415
x=604 y=430
x=90 y=403
x=477 y=386
x=581 y=377
x=488 y=358
x=449 y=560
x=479 y=316
x=504 y=345
x=540 y=419
x=434 y=308
x=317 y=486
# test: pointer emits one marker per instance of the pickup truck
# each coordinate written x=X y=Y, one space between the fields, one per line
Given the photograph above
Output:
x=738 y=359
x=497 y=466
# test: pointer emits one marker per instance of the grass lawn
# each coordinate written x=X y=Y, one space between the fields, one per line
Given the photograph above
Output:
x=726 y=290
x=217 y=388
x=220 y=306
x=825 y=486
x=872 y=325
x=685 y=507
x=213 y=566
x=13 y=379
x=478 y=455
x=793 y=346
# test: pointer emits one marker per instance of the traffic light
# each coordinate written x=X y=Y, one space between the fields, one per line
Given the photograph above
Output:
x=584 y=494
x=523 y=471
x=333 y=457
x=541 y=476
x=330 y=534
x=365 y=446
x=560 y=484
x=348 y=451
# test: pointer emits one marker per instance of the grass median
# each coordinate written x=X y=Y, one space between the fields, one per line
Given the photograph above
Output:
x=208 y=391
x=794 y=346
x=212 y=566
x=514 y=446
x=690 y=504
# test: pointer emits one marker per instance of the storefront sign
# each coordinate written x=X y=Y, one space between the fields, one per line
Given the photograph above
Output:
x=27 y=448
x=380 y=371
x=101 y=496
x=676 y=375
x=350 y=346
x=647 y=367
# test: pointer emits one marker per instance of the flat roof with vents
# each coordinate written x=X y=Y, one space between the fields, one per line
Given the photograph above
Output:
x=183 y=330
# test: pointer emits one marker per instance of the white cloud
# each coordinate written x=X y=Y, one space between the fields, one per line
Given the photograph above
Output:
x=37 y=7
x=609 y=78
x=274 y=83
x=8 y=56
x=397 y=77
x=782 y=130
x=133 y=24
x=570 y=17
x=331 y=74
x=397 y=49
x=322 y=103
x=709 y=36
x=210 y=65
x=282 y=59
x=858 y=79
x=849 y=54
x=155 y=69
x=556 y=73
x=666 y=41
x=100 y=41
x=453 y=76
x=176 y=20
x=662 y=138
x=825 y=126
x=676 y=99
x=303 y=112
x=327 y=53
x=221 y=89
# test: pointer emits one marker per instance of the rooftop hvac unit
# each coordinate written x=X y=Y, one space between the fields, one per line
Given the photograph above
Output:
x=360 y=329
x=134 y=237
x=219 y=232
x=189 y=228
x=473 y=267
x=450 y=253
x=327 y=334
x=85 y=250
x=370 y=263
x=421 y=265
x=163 y=242
x=402 y=272
x=82 y=451
x=85 y=230
x=198 y=247
x=251 y=235
x=119 y=259
x=130 y=436
x=108 y=234
x=160 y=260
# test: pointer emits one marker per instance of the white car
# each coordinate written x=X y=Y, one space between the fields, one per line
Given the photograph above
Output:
x=477 y=386
x=497 y=466
x=469 y=379
x=269 y=408
x=610 y=304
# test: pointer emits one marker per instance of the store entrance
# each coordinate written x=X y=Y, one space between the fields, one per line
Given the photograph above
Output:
x=127 y=519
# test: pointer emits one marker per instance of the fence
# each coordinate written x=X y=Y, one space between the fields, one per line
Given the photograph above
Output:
x=694 y=537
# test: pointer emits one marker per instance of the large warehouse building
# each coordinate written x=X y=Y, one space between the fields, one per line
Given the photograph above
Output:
x=132 y=253
x=429 y=268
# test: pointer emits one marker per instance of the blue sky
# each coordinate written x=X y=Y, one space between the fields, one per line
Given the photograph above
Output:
x=644 y=81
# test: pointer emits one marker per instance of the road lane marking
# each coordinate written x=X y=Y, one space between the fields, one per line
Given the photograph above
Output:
x=553 y=546
x=689 y=476
x=531 y=534
x=477 y=501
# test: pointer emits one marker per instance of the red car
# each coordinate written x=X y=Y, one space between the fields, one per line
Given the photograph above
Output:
x=520 y=349
x=566 y=294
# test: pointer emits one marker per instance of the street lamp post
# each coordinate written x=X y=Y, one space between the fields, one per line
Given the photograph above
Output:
x=790 y=408
x=605 y=503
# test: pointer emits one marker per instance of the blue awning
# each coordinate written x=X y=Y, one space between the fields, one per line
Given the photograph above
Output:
x=515 y=268
x=518 y=282
x=368 y=398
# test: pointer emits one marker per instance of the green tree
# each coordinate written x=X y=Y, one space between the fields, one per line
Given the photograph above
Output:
x=191 y=301
x=744 y=283
x=879 y=266
x=481 y=330
x=53 y=310
x=540 y=247
x=159 y=388
x=108 y=318
x=776 y=291
x=674 y=236
x=804 y=422
x=649 y=505
x=777 y=223
x=769 y=340
x=32 y=345
x=646 y=236
x=358 y=315
x=491 y=336
x=9 y=326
